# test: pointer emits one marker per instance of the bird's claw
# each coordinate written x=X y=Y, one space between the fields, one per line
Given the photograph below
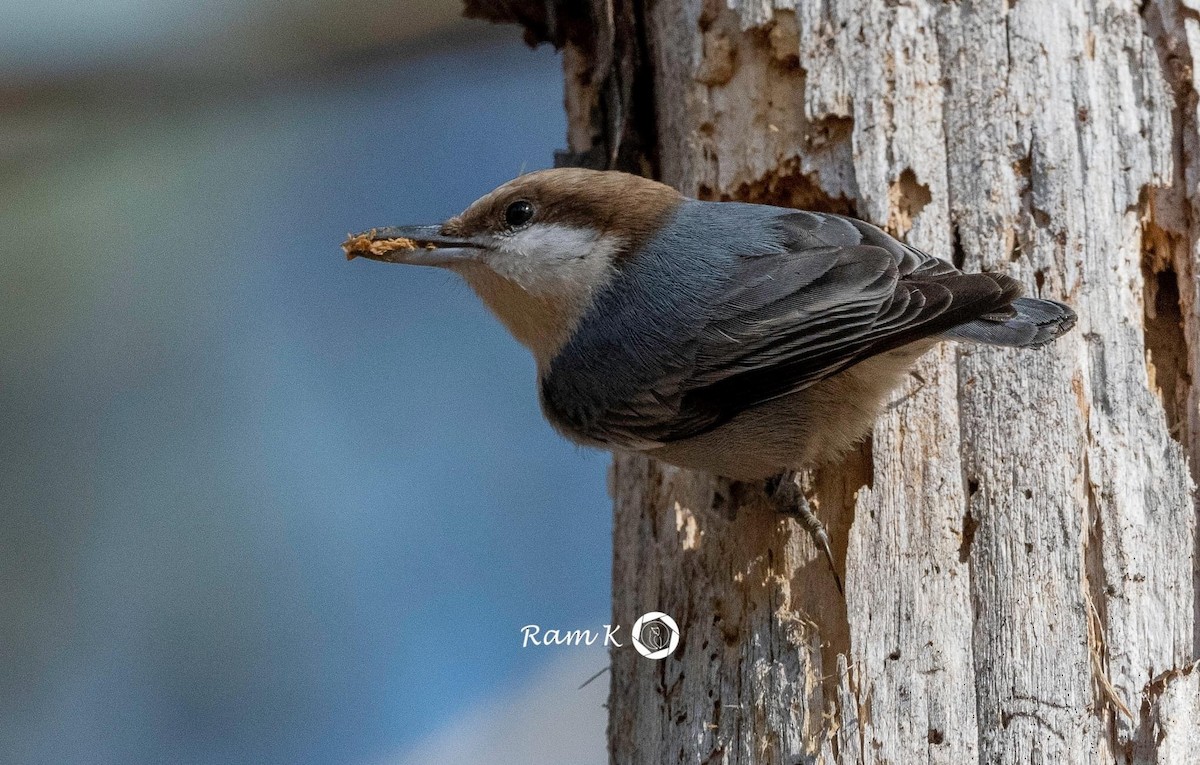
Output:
x=790 y=499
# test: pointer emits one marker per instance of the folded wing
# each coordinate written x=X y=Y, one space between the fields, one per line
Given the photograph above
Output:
x=836 y=292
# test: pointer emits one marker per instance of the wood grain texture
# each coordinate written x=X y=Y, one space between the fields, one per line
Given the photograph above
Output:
x=1019 y=537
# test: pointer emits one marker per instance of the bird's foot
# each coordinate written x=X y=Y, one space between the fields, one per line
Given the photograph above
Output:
x=921 y=382
x=788 y=497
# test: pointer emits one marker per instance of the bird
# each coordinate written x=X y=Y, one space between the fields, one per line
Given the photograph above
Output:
x=744 y=340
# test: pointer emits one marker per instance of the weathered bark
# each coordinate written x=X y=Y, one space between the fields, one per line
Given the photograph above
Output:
x=1019 y=537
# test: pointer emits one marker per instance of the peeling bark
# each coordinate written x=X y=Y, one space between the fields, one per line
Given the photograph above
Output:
x=1019 y=535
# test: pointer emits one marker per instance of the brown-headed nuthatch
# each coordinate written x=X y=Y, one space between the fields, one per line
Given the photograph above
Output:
x=739 y=339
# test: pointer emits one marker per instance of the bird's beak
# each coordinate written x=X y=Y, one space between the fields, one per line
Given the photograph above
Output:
x=415 y=245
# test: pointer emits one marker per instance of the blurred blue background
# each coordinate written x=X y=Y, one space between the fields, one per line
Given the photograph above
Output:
x=261 y=505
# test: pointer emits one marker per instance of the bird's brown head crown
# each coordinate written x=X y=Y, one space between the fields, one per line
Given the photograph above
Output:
x=612 y=204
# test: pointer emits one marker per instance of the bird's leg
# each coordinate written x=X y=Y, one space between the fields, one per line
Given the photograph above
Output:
x=900 y=401
x=788 y=497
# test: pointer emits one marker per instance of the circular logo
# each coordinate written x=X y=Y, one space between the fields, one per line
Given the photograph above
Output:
x=655 y=635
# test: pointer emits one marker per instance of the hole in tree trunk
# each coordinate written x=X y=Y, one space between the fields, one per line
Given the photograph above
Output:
x=1166 y=344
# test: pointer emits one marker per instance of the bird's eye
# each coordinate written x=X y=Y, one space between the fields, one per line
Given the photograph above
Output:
x=518 y=213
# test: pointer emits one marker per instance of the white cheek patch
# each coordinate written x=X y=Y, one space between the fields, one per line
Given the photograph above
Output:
x=556 y=258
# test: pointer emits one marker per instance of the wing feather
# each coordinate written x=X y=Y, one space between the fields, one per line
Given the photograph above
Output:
x=779 y=320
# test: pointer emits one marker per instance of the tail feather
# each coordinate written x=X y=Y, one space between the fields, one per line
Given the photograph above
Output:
x=1032 y=323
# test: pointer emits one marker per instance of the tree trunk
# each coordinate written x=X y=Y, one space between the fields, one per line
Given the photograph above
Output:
x=1019 y=535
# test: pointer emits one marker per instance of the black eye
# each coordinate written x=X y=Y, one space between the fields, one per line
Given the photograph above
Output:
x=518 y=213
